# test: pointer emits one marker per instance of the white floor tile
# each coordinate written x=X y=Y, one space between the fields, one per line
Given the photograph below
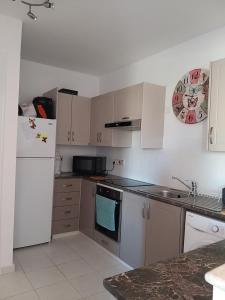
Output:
x=26 y=296
x=75 y=268
x=45 y=277
x=100 y=296
x=13 y=284
x=88 y=284
x=109 y=272
x=31 y=262
x=60 y=291
x=61 y=254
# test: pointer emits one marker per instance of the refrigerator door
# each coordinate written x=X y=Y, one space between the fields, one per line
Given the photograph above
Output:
x=36 y=137
x=33 y=205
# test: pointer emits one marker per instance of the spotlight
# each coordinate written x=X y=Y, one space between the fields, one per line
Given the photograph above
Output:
x=49 y=4
x=31 y=15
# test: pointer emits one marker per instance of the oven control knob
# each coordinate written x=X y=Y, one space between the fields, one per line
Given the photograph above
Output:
x=215 y=228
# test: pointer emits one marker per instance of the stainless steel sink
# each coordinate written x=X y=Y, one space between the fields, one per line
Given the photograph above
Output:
x=164 y=192
x=201 y=201
x=171 y=194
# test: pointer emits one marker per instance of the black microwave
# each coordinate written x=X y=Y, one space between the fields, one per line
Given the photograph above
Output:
x=89 y=165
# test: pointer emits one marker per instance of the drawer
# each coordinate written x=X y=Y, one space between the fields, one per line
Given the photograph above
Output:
x=65 y=212
x=107 y=243
x=66 y=199
x=67 y=185
x=65 y=226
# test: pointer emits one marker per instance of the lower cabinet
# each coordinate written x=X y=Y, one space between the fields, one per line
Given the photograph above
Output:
x=151 y=231
x=66 y=205
x=107 y=243
x=87 y=207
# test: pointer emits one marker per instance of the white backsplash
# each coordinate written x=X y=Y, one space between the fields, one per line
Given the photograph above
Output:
x=69 y=151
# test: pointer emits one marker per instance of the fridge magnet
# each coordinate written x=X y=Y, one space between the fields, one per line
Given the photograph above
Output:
x=190 y=97
x=43 y=137
x=32 y=123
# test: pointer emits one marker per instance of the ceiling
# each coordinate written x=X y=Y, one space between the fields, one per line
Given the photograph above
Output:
x=99 y=36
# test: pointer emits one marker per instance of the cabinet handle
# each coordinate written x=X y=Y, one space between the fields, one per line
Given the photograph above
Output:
x=104 y=242
x=143 y=211
x=97 y=137
x=67 y=199
x=67 y=212
x=125 y=118
x=211 y=135
x=73 y=136
x=149 y=212
x=67 y=225
x=69 y=136
x=100 y=136
x=67 y=185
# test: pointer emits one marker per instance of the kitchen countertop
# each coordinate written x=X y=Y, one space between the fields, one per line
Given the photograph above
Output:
x=173 y=201
x=180 y=278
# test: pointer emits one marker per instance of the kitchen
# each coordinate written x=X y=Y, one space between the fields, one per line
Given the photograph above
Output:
x=184 y=152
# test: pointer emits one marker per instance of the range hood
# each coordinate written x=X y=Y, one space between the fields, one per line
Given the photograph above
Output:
x=125 y=125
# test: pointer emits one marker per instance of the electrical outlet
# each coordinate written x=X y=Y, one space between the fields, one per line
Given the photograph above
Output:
x=119 y=162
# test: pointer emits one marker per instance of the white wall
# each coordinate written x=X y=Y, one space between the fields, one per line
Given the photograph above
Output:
x=35 y=79
x=10 y=44
x=184 y=153
x=38 y=78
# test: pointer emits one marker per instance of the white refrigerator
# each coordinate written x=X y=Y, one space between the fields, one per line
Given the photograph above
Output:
x=34 y=181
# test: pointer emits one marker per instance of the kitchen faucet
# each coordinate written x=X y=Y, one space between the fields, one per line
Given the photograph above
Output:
x=193 y=188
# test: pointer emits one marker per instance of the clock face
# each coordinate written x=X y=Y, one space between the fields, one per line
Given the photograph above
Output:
x=190 y=97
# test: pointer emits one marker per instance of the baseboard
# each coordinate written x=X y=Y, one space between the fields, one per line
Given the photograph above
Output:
x=66 y=234
x=7 y=269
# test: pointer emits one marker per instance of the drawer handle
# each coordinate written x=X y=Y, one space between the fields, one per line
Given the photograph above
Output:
x=67 y=185
x=67 y=199
x=67 y=212
x=67 y=225
x=125 y=118
x=104 y=242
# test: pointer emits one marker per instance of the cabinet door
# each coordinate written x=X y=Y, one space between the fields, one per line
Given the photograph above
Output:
x=217 y=107
x=81 y=113
x=133 y=230
x=87 y=208
x=101 y=113
x=128 y=103
x=95 y=122
x=63 y=135
x=164 y=232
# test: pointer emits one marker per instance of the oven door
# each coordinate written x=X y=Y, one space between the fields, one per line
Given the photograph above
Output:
x=107 y=216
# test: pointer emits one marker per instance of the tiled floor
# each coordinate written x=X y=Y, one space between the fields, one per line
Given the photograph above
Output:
x=70 y=268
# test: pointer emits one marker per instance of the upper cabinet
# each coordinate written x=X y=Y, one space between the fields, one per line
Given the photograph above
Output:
x=216 y=136
x=81 y=121
x=128 y=103
x=152 y=120
x=143 y=101
x=73 y=118
x=102 y=112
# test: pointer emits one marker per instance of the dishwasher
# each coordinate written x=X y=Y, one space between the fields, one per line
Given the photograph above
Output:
x=201 y=231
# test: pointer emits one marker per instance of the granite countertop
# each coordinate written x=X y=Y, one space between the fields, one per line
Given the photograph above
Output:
x=220 y=215
x=180 y=278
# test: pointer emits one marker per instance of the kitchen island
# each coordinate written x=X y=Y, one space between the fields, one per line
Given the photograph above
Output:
x=181 y=278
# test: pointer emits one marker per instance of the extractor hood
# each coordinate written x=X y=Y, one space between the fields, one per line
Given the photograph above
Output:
x=125 y=125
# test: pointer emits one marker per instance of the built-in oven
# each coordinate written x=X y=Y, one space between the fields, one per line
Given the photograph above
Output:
x=108 y=211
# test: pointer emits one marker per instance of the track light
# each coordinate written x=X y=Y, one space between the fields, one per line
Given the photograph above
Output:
x=49 y=4
x=30 y=14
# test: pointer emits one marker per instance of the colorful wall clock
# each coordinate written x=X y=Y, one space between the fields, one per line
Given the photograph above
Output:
x=190 y=97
